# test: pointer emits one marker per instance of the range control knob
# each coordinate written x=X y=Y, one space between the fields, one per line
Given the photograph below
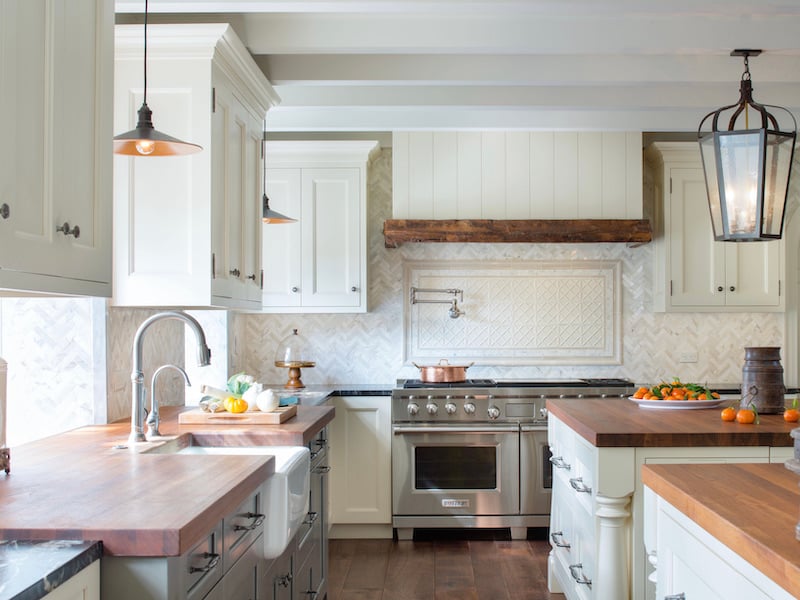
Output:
x=432 y=408
x=493 y=412
x=450 y=408
x=469 y=408
x=413 y=408
x=543 y=413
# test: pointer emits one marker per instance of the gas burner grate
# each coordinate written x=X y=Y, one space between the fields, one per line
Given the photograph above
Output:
x=418 y=383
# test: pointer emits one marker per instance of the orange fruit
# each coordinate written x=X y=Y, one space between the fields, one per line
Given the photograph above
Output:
x=745 y=416
x=728 y=414
x=791 y=415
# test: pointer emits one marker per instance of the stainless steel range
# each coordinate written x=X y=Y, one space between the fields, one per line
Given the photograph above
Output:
x=475 y=453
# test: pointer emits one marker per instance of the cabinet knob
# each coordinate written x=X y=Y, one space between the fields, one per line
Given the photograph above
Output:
x=295 y=289
x=235 y=272
x=252 y=276
x=354 y=289
x=66 y=230
x=733 y=288
x=720 y=288
x=5 y=211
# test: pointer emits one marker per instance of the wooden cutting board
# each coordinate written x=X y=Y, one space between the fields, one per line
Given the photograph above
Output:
x=251 y=417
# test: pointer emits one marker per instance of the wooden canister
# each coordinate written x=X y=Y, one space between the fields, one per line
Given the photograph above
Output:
x=762 y=380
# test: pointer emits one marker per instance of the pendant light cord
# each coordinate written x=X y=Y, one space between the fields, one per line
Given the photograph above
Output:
x=145 y=52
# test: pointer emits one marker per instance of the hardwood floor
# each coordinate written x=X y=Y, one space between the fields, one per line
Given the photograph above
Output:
x=439 y=567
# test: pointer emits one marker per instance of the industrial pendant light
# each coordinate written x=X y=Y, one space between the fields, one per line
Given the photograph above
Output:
x=145 y=140
x=269 y=216
x=747 y=170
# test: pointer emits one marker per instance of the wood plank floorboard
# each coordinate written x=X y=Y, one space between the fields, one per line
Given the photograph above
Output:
x=439 y=569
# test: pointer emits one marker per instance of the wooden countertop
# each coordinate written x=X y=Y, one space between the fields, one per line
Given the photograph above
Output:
x=618 y=422
x=77 y=485
x=751 y=508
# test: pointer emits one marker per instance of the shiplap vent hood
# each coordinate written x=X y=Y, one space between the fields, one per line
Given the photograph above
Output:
x=495 y=186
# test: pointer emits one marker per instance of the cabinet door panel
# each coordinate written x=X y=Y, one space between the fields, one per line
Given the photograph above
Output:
x=697 y=265
x=281 y=252
x=361 y=460
x=753 y=271
x=331 y=210
x=22 y=167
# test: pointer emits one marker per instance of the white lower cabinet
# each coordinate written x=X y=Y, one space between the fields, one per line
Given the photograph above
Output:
x=361 y=466
x=84 y=585
x=598 y=523
x=318 y=264
x=693 y=565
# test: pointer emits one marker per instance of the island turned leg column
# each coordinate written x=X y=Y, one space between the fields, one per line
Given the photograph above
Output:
x=612 y=581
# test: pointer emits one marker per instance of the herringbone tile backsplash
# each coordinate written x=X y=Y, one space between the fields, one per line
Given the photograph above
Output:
x=70 y=359
x=368 y=348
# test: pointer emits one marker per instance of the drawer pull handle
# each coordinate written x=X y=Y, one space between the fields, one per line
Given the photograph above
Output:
x=558 y=539
x=258 y=519
x=322 y=469
x=213 y=561
x=311 y=593
x=5 y=211
x=680 y=596
x=578 y=485
x=284 y=580
x=311 y=517
x=559 y=463
x=577 y=574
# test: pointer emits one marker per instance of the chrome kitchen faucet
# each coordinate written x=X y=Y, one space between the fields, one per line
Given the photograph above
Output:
x=137 y=377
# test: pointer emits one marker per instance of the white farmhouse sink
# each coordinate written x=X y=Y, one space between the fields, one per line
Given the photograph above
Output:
x=285 y=492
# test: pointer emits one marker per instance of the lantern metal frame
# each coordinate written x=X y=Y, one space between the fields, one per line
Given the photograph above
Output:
x=766 y=199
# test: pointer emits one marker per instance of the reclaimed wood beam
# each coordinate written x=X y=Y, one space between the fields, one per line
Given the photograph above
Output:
x=536 y=231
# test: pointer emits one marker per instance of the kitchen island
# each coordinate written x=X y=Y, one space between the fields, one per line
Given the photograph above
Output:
x=91 y=484
x=742 y=516
x=599 y=446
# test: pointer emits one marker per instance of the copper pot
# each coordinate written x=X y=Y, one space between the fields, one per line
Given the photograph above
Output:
x=443 y=372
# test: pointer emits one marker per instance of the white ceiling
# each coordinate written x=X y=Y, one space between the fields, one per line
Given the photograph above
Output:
x=383 y=65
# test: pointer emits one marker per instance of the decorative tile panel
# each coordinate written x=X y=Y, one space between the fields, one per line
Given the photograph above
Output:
x=516 y=312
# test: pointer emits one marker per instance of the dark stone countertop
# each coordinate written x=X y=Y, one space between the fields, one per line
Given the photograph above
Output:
x=30 y=570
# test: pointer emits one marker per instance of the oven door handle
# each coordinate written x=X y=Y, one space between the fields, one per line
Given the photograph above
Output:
x=528 y=428
x=401 y=429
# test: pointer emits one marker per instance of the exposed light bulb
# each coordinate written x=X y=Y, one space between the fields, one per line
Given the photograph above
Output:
x=145 y=147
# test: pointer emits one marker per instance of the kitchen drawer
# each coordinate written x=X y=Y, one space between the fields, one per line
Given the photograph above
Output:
x=202 y=565
x=242 y=580
x=242 y=527
x=562 y=443
x=561 y=517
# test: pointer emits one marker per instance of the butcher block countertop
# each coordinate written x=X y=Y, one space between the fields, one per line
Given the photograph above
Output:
x=621 y=423
x=751 y=508
x=80 y=485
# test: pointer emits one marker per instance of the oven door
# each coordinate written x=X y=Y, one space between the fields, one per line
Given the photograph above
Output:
x=444 y=470
x=536 y=471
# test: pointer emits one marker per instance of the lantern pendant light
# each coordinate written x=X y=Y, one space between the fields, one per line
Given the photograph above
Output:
x=269 y=216
x=747 y=170
x=146 y=140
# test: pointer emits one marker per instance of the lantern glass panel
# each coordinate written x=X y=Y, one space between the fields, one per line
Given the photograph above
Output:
x=740 y=154
x=707 y=151
x=777 y=164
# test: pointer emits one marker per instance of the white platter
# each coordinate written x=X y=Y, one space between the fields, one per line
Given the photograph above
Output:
x=677 y=404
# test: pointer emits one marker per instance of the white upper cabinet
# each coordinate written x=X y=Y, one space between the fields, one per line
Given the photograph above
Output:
x=517 y=175
x=318 y=264
x=188 y=228
x=56 y=73
x=692 y=271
